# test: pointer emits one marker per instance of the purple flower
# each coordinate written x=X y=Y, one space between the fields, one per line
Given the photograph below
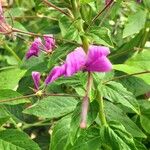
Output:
x=75 y=61
x=97 y=60
x=37 y=46
x=36 y=78
x=49 y=42
x=57 y=72
x=34 y=49
x=94 y=61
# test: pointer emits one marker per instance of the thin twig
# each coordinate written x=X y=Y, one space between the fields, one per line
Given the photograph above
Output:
x=44 y=94
x=65 y=95
x=126 y=75
x=95 y=18
x=100 y=12
x=16 y=98
x=41 y=35
x=55 y=7
x=33 y=17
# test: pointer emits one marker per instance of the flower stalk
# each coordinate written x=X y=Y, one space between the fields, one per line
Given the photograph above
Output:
x=12 y=52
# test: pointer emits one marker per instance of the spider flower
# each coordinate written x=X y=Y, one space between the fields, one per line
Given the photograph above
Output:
x=94 y=61
x=49 y=42
x=34 y=49
x=36 y=78
x=37 y=46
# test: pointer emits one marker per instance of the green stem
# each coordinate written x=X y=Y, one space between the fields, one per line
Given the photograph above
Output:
x=101 y=109
x=145 y=38
x=15 y=124
x=85 y=43
x=12 y=52
x=37 y=124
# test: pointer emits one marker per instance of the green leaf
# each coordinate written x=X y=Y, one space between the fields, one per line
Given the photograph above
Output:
x=115 y=92
x=4 y=116
x=139 y=145
x=52 y=107
x=60 y=134
x=116 y=137
x=27 y=5
x=16 y=140
x=101 y=36
x=139 y=62
x=88 y=140
x=13 y=111
x=68 y=29
x=145 y=115
x=135 y=23
x=135 y=85
x=9 y=78
x=76 y=117
x=115 y=114
x=8 y=94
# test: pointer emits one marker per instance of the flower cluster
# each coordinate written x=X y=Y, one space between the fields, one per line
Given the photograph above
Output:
x=94 y=61
x=37 y=45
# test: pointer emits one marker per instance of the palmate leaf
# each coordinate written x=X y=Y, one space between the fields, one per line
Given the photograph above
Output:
x=116 y=137
x=132 y=70
x=139 y=62
x=114 y=113
x=11 y=111
x=135 y=85
x=100 y=36
x=115 y=92
x=89 y=139
x=135 y=23
x=16 y=140
x=60 y=134
x=52 y=107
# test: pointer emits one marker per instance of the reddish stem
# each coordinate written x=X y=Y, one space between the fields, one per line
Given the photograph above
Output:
x=85 y=103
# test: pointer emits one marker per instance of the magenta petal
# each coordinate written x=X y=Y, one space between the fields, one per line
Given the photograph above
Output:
x=56 y=72
x=34 y=49
x=36 y=78
x=97 y=60
x=102 y=64
x=49 y=42
x=75 y=61
x=1 y=13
